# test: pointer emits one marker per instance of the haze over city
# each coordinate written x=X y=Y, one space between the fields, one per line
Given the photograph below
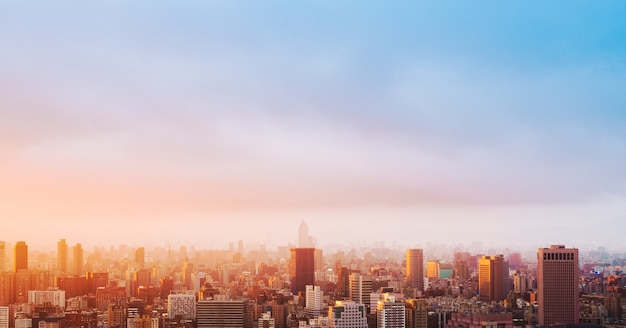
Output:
x=201 y=123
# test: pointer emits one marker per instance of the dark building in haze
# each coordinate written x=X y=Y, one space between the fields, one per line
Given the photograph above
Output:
x=20 y=258
x=302 y=269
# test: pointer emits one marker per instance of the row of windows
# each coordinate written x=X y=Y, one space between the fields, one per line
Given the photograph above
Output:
x=558 y=256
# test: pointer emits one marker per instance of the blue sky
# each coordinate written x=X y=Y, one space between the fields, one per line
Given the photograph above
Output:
x=434 y=114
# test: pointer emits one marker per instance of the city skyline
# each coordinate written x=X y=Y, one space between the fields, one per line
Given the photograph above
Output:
x=205 y=123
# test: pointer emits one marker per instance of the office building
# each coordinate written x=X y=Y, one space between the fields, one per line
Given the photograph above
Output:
x=347 y=314
x=77 y=260
x=54 y=297
x=140 y=258
x=557 y=285
x=3 y=256
x=62 y=256
x=20 y=257
x=5 y=319
x=492 y=278
x=415 y=269
x=223 y=314
x=360 y=288
x=390 y=313
x=343 y=282
x=302 y=269
x=416 y=313
x=432 y=269
x=314 y=297
x=183 y=305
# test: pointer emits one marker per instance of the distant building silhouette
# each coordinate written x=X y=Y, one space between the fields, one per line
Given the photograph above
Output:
x=304 y=239
x=3 y=256
x=20 y=257
x=62 y=256
x=77 y=259
x=557 y=285
x=140 y=258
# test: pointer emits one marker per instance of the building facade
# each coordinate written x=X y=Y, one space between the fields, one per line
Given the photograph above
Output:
x=557 y=285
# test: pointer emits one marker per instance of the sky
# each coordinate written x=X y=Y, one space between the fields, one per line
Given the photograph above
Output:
x=204 y=122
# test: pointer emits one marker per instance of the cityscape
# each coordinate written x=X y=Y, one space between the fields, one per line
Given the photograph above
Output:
x=305 y=164
x=300 y=285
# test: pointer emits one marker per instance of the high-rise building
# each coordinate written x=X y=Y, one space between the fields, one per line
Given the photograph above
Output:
x=183 y=305
x=3 y=256
x=347 y=314
x=343 y=282
x=432 y=269
x=4 y=317
x=314 y=296
x=319 y=259
x=520 y=282
x=492 y=278
x=416 y=313
x=302 y=269
x=557 y=285
x=140 y=258
x=20 y=258
x=62 y=256
x=77 y=260
x=304 y=239
x=415 y=269
x=390 y=313
x=7 y=288
x=360 y=288
x=461 y=269
x=223 y=314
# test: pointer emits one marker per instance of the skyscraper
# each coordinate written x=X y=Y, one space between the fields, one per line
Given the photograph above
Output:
x=140 y=258
x=492 y=278
x=415 y=269
x=557 y=285
x=77 y=260
x=304 y=239
x=20 y=258
x=302 y=269
x=360 y=288
x=62 y=256
x=3 y=258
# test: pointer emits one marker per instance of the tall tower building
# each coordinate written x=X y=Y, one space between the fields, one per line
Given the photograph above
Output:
x=360 y=288
x=62 y=256
x=140 y=258
x=304 y=239
x=557 y=285
x=20 y=258
x=3 y=256
x=77 y=260
x=415 y=269
x=302 y=269
x=492 y=278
